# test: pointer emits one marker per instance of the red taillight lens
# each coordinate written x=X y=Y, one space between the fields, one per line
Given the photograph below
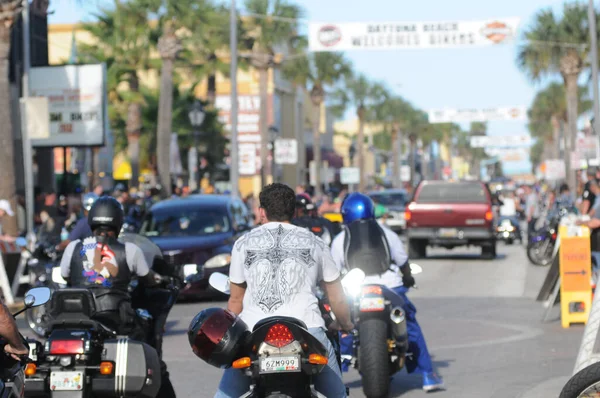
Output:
x=554 y=236
x=372 y=290
x=279 y=336
x=61 y=347
x=327 y=307
x=489 y=216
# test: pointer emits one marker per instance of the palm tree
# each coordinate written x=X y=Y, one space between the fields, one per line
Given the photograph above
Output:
x=206 y=41
x=122 y=38
x=9 y=9
x=548 y=113
x=559 y=45
x=169 y=46
x=272 y=24
x=364 y=96
x=319 y=71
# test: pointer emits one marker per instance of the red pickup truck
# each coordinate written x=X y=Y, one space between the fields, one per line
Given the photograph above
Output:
x=450 y=214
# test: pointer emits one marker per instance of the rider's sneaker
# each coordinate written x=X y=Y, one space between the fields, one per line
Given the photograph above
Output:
x=432 y=382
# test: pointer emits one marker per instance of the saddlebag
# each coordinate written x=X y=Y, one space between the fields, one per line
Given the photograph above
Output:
x=136 y=370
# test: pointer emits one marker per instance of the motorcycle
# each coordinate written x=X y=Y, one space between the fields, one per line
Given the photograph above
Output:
x=584 y=383
x=542 y=242
x=12 y=372
x=507 y=231
x=84 y=356
x=44 y=271
x=381 y=342
x=279 y=355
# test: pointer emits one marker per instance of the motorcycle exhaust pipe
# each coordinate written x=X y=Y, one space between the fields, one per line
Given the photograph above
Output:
x=398 y=328
x=397 y=315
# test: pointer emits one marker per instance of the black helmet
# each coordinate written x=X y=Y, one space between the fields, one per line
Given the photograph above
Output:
x=106 y=212
x=303 y=202
x=216 y=336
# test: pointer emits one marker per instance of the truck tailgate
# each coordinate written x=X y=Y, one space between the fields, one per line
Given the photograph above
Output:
x=448 y=215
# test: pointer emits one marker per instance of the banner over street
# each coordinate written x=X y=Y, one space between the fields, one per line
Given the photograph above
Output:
x=410 y=35
x=477 y=115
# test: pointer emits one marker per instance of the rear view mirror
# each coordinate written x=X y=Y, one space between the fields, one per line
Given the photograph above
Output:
x=37 y=296
x=220 y=282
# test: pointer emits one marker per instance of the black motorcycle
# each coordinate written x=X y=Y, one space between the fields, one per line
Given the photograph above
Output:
x=279 y=355
x=381 y=341
x=508 y=231
x=83 y=355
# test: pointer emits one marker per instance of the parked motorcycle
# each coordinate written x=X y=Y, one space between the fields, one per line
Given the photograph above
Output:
x=542 y=242
x=279 y=355
x=12 y=372
x=585 y=383
x=44 y=271
x=381 y=342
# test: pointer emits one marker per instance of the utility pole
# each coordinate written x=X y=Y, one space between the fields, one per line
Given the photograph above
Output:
x=234 y=171
x=27 y=155
x=594 y=61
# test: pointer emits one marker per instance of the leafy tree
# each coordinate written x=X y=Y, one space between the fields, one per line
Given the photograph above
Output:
x=320 y=71
x=364 y=96
x=558 y=45
x=122 y=38
x=271 y=26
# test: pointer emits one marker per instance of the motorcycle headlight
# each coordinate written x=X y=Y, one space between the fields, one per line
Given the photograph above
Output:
x=220 y=260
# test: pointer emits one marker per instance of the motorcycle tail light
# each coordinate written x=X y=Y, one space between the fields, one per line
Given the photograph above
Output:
x=554 y=235
x=62 y=347
x=327 y=307
x=279 y=336
x=372 y=290
x=106 y=368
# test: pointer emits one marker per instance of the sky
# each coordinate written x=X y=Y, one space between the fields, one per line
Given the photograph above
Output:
x=432 y=78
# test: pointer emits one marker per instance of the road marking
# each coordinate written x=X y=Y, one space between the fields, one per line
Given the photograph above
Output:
x=524 y=333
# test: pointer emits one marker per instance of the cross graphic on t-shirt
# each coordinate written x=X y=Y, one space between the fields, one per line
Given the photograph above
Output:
x=274 y=288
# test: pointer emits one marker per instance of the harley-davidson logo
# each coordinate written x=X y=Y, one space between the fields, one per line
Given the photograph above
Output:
x=329 y=35
x=496 y=31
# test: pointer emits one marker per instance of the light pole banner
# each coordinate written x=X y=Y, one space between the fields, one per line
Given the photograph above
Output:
x=500 y=141
x=477 y=115
x=409 y=35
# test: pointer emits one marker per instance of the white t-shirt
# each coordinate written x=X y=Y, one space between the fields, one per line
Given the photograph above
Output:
x=508 y=208
x=391 y=278
x=281 y=265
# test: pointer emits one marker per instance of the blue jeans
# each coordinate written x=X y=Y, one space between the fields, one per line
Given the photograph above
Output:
x=329 y=382
x=420 y=361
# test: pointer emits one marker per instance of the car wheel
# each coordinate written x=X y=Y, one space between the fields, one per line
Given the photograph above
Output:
x=488 y=251
x=417 y=248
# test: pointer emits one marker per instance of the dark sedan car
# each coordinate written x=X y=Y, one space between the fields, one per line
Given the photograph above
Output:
x=196 y=235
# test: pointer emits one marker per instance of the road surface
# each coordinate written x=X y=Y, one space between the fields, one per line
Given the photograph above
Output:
x=481 y=322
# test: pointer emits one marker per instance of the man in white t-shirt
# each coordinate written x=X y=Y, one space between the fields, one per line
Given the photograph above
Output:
x=275 y=270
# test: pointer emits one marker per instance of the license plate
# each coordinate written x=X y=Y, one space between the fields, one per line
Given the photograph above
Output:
x=66 y=381
x=372 y=304
x=448 y=232
x=280 y=364
x=189 y=269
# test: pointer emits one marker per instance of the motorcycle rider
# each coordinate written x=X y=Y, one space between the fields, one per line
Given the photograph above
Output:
x=398 y=278
x=82 y=229
x=509 y=210
x=295 y=255
x=10 y=332
x=102 y=263
x=305 y=217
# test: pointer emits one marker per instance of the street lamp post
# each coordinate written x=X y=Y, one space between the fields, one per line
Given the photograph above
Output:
x=273 y=134
x=197 y=116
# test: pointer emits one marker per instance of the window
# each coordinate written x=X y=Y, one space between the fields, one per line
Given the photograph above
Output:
x=462 y=192
x=390 y=199
x=186 y=221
